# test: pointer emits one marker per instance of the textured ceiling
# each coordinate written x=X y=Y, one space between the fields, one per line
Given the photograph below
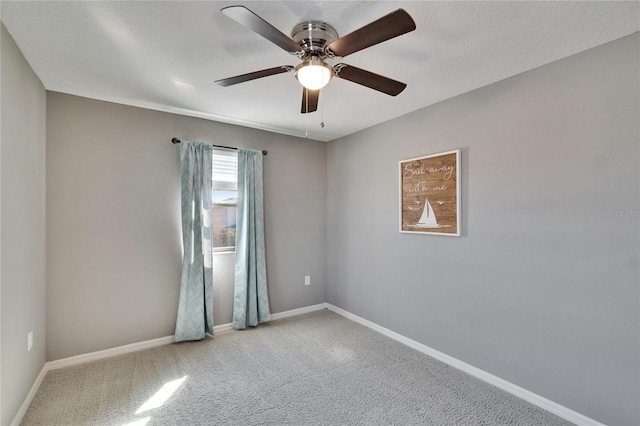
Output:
x=166 y=55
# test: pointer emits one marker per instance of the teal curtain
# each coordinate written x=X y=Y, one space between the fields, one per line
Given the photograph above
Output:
x=251 y=303
x=195 y=308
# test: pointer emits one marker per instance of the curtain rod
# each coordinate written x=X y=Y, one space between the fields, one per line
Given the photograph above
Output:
x=177 y=141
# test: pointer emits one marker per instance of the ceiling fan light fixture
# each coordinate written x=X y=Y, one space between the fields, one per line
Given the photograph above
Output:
x=314 y=73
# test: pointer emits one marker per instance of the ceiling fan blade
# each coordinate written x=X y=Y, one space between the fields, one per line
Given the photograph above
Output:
x=369 y=79
x=389 y=26
x=309 y=100
x=253 y=75
x=244 y=16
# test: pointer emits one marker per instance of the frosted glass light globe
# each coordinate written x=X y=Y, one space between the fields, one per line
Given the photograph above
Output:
x=313 y=73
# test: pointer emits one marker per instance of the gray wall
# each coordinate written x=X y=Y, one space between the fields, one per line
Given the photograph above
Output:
x=543 y=288
x=22 y=213
x=113 y=222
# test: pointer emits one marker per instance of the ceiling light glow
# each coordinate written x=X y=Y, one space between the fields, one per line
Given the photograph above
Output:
x=314 y=73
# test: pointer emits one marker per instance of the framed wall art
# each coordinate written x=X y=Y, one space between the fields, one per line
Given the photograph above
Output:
x=430 y=194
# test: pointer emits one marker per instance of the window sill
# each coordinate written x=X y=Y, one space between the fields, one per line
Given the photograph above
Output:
x=217 y=252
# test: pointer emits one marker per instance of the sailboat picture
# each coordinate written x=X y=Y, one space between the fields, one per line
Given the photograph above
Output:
x=428 y=218
x=430 y=194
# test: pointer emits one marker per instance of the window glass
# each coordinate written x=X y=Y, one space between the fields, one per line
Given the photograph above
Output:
x=225 y=199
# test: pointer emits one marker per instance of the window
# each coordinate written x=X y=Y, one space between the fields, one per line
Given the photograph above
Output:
x=225 y=199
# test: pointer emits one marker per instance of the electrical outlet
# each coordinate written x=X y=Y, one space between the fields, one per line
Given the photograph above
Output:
x=307 y=280
x=30 y=340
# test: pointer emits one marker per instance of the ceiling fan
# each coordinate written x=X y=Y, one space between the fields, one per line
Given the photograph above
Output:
x=313 y=42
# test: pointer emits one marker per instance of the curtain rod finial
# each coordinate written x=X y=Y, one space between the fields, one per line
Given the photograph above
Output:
x=175 y=141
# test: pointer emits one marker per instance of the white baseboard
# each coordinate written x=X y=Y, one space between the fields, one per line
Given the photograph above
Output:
x=133 y=347
x=535 y=399
x=531 y=397
x=222 y=328
x=299 y=311
x=27 y=401
x=107 y=353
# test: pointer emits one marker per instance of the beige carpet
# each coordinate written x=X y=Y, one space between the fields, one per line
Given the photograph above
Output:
x=313 y=369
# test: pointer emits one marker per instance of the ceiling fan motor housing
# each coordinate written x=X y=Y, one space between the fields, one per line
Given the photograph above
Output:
x=313 y=37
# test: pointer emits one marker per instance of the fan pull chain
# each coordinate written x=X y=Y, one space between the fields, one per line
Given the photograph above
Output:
x=322 y=109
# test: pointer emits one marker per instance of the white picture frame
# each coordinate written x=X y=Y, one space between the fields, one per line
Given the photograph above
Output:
x=429 y=195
